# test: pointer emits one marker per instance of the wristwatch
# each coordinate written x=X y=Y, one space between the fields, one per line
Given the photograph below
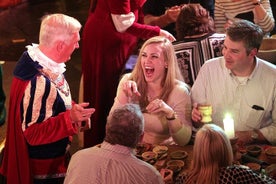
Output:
x=173 y=117
x=254 y=135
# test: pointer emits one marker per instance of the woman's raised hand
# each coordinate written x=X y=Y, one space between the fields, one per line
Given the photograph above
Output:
x=159 y=105
x=130 y=89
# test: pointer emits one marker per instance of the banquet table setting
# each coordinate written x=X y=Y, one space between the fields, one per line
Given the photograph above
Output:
x=169 y=160
x=172 y=160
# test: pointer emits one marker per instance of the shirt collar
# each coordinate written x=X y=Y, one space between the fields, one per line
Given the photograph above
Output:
x=251 y=75
x=117 y=148
x=36 y=55
x=255 y=69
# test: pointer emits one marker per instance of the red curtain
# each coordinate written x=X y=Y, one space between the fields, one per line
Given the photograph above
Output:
x=8 y=3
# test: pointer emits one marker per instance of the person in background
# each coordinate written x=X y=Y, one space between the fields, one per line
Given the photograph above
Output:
x=235 y=84
x=2 y=99
x=109 y=38
x=212 y=161
x=114 y=160
x=256 y=11
x=195 y=29
x=273 y=7
x=155 y=84
x=42 y=117
x=164 y=13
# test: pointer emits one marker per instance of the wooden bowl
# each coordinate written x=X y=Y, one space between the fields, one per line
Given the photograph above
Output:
x=271 y=153
x=149 y=156
x=178 y=155
x=160 y=150
x=254 y=150
x=179 y=163
x=141 y=148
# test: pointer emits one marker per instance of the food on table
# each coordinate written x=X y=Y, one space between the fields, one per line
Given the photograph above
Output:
x=141 y=148
x=254 y=150
x=271 y=154
x=254 y=166
x=178 y=155
x=149 y=156
x=159 y=164
x=271 y=171
x=161 y=151
x=179 y=163
x=271 y=151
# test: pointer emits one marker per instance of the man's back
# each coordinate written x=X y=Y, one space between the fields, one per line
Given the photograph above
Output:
x=110 y=164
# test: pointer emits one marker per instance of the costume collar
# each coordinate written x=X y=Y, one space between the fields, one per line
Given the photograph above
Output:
x=36 y=55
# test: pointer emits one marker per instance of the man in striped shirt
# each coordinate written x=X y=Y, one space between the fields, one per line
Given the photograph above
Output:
x=114 y=160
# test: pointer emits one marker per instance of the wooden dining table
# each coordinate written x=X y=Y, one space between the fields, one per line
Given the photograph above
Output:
x=243 y=159
x=161 y=163
x=187 y=160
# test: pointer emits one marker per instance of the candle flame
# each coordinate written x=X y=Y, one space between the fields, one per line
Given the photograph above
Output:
x=228 y=116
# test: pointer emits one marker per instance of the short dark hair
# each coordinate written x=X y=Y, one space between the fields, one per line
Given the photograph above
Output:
x=125 y=125
x=193 y=20
x=247 y=32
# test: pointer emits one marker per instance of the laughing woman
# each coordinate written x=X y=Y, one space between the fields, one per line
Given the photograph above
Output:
x=156 y=85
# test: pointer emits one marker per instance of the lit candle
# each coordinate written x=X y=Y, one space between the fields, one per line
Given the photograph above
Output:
x=228 y=123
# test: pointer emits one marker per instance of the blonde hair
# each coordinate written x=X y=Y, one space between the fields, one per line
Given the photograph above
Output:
x=172 y=72
x=212 y=151
x=56 y=27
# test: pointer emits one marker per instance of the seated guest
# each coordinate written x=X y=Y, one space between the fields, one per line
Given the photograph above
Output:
x=155 y=84
x=196 y=40
x=212 y=161
x=114 y=161
x=241 y=84
x=273 y=7
x=164 y=13
x=256 y=11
